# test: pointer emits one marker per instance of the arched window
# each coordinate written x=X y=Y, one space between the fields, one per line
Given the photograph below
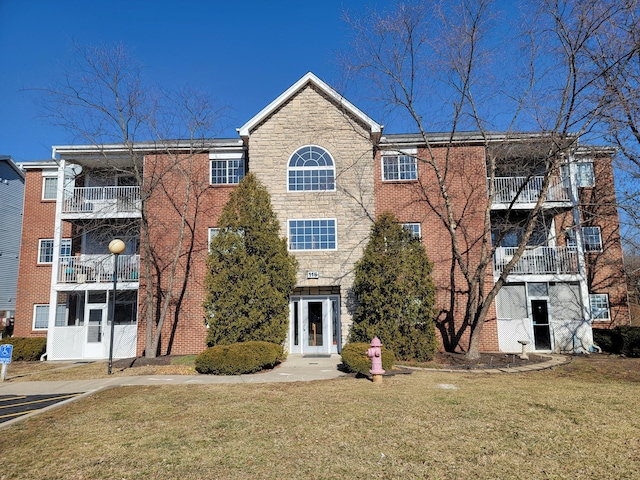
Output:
x=311 y=168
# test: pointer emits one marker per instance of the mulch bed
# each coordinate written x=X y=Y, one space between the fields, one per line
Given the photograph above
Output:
x=444 y=359
x=486 y=360
x=144 y=361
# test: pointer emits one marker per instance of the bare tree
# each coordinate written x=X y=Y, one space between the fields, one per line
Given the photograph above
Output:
x=103 y=101
x=457 y=66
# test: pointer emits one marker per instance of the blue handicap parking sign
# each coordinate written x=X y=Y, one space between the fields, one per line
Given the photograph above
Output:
x=5 y=353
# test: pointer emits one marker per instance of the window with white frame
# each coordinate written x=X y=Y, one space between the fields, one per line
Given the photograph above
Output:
x=226 y=168
x=213 y=231
x=311 y=168
x=312 y=234
x=41 y=316
x=45 y=249
x=592 y=239
x=584 y=174
x=414 y=228
x=571 y=238
x=599 y=306
x=399 y=167
x=49 y=188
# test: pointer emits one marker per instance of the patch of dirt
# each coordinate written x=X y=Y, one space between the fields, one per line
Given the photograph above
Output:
x=486 y=360
x=442 y=359
x=144 y=361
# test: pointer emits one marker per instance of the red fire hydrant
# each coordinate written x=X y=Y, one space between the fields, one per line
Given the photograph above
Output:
x=375 y=354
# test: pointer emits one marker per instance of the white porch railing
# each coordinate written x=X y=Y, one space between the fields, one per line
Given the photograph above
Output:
x=507 y=188
x=538 y=260
x=98 y=268
x=102 y=200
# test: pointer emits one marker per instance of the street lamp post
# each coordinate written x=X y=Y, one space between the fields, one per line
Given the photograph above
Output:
x=116 y=247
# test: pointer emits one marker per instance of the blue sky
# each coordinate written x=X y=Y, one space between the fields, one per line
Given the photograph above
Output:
x=243 y=53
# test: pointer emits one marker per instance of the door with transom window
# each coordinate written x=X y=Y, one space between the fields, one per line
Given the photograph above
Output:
x=314 y=324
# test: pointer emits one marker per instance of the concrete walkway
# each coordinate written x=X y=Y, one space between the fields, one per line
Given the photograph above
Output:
x=297 y=368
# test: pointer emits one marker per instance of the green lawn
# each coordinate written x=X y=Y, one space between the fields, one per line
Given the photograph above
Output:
x=577 y=421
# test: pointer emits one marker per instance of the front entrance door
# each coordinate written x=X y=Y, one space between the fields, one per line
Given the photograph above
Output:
x=314 y=324
x=541 y=332
x=96 y=313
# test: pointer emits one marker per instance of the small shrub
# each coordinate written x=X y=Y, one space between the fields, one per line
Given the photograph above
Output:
x=26 y=349
x=238 y=358
x=606 y=339
x=630 y=340
x=622 y=340
x=355 y=359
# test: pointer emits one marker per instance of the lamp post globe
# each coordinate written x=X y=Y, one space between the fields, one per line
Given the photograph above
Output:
x=116 y=247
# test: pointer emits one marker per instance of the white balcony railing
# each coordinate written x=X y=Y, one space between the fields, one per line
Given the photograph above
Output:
x=527 y=189
x=98 y=268
x=538 y=260
x=105 y=200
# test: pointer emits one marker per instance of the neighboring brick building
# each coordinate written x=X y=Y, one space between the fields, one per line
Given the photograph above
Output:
x=330 y=172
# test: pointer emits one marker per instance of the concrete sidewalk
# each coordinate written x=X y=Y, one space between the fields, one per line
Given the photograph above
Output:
x=297 y=368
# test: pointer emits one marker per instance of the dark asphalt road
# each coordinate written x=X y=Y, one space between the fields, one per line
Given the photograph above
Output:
x=12 y=406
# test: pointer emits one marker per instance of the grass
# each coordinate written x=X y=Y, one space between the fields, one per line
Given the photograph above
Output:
x=577 y=421
x=60 y=371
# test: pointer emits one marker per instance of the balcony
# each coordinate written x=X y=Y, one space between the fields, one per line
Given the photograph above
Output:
x=102 y=202
x=98 y=268
x=524 y=192
x=538 y=261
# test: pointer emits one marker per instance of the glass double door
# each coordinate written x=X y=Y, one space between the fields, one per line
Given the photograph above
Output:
x=314 y=324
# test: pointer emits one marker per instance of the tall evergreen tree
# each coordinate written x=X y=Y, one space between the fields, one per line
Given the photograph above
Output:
x=395 y=292
x=250 y=273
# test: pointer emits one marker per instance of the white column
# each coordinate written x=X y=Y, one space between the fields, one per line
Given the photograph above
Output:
x=55 y=266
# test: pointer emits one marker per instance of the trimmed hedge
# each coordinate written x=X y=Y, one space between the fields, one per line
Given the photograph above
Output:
x=238 y=358
x=26 y=349
x=622 y=340
x=355 y=359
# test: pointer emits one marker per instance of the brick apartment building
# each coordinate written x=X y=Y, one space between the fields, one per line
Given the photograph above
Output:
x=330 y=171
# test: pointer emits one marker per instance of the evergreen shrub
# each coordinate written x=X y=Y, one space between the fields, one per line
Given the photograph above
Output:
x=355 y=359
x=238 y=358
x=606 y=339
x=26 y=349
x=250 y=272
x=621 y=340
x=395 y=293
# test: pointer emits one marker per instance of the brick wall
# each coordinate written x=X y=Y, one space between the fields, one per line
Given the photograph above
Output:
x=605 y=269
x=421 y=201
x=34 y=281
x=186 y=332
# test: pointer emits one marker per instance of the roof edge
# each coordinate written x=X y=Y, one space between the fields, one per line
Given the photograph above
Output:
x=308 y=78
x=9 y=159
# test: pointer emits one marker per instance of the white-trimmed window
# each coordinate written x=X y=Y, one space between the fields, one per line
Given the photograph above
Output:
x=413 y=228
x=41 y=316
x=213 y=231
x=571 y=238
x=226 y=168
x=45 y=249
x=312 y=234
x=584 y=174
x=592 y=239
x=311 y=168
x=599 y=306
x=403 y=166
x=49 y=188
